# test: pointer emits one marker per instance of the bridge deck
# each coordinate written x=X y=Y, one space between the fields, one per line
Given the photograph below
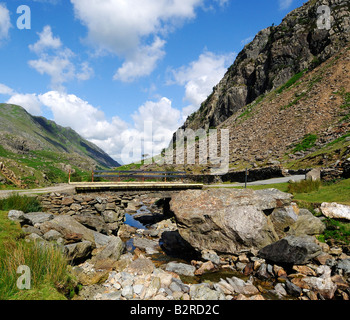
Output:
x=132 y=186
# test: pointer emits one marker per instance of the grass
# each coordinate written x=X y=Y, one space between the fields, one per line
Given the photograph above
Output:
x=48 y=266
x=304 y=186
x=21 y=203
x=291 y=81
x=307 y=143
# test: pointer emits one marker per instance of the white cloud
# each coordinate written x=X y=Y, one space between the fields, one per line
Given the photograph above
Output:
x=151 y=130
x=46 y=41
x=57 y=61
x=5 y=21
x=142 y=62
x=6 y=90
x=30 y=102
x=200 y=76
x=285 y=4
x=125 y=27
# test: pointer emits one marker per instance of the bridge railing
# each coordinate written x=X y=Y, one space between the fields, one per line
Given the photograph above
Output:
x=139 y=175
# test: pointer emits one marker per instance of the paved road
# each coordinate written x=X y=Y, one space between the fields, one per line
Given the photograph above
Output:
x=261 y=182
x=66 y=188
x=61 y=188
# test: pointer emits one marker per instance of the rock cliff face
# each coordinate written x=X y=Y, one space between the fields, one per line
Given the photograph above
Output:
x=273 y=57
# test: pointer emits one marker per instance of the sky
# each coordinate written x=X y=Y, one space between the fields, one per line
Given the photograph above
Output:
x=124 y=74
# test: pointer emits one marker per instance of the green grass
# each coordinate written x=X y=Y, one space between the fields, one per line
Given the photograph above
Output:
x=22 y=203
x=307 y=143
x=50 y=279
x=291 y=81
x=304 y=186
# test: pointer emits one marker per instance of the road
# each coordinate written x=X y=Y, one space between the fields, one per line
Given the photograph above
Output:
x=61 y=188
x=70 y=189
x=261 y=182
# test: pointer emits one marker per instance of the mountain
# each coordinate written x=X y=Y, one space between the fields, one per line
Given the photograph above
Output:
x=286 y=98
x=29 y=144
x=276 y=54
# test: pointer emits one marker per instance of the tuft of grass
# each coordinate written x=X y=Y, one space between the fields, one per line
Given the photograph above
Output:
x=47 y=264
x=291 y=81
x=22 y=203
x=307 y=143
x=304 y=186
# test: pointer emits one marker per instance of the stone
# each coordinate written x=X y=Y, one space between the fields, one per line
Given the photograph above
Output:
x=227 y=220
x=314 y=175
x=292 y=250
x=128 y=292
x=78 y=251
x=307 y=225
x=87 y=275
x=181 y=268
x=335 y=210
x=323 y=284
x=207 y=266
x=141 y=266
x=93 y=222
x=210 y=255
x=292 y=289
x=153 y=288
x=150 y=246
x=113 y=250
x=280 y=290
x=203 y=292
x=67 y=225
x=52 y=235
x=344 y=265
x=111 y=216
x=38 y=217
x=18 y=216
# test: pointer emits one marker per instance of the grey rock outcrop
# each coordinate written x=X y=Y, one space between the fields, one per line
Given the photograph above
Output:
x=275 y=55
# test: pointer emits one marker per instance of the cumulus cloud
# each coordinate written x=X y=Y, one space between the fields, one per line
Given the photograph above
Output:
x=200 y=76
x=152 y=128
x=125 y=27
x=57 y=61
x=5 y=22
x=30 y=102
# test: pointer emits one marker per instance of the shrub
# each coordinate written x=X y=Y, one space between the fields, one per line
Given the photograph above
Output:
x=304 y=186
x=22 y=203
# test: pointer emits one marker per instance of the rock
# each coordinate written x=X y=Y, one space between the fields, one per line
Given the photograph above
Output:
x=181 y=268
x=52 y=235
x=128 y=292
x=227 y=220
x=335 y=210
x=307 y=225
x=38 y=217
x=203 y=292
x=314 y=175
x=78 y=251
x=87 y=275
x=153 y=288
x=141 y=266
x=112 y=216
x=292 y=289
x=150 y=246
x=239 y=286
x=210 y=255
x=92 y=222
x=207 y=266
x=112 y=251
x=18 y=216
x=292 y=250
x=283 y=218
x=344 y=265
x=67 y=225
x=280 y=290
x=323 y=284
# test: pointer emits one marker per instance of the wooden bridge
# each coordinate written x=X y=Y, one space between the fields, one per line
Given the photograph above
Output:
x=135 y=180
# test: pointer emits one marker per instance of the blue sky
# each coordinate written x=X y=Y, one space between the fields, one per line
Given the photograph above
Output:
x=110 y=68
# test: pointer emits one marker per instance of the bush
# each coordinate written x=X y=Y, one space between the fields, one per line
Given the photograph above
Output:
x=22 y=203
x=304 y=186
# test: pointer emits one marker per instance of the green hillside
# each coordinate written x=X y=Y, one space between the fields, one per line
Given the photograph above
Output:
x=38 y=152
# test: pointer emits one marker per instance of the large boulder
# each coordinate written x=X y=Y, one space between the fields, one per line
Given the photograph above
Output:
x=229 y=220
x=291 y=250
x=335 y=210
x=68 y=226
